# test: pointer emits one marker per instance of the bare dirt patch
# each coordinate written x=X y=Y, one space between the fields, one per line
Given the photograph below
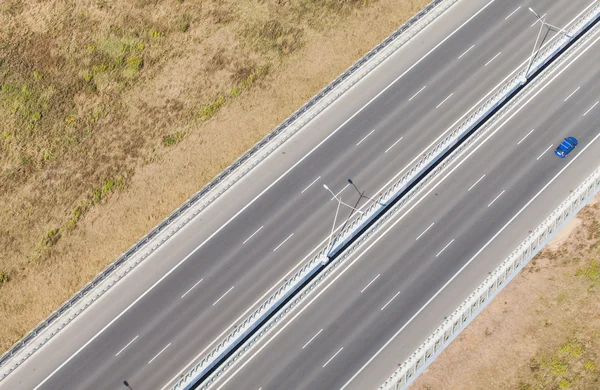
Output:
x=112 y=113
x=542 y=331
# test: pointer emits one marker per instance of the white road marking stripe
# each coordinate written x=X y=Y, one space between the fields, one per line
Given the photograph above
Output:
x=308 y=186
x=162 y=350
x=333 y=357
x=572 y=93
x=128 y=344
x=487 y=63
x=247 y=239
x=526 y=135
x=342 y=190
x=312 y=338
x=390 y=301
x=444 y=248
x=290 y=236
x=223 y=296
x=534 y=23
x=544 y=152
x=492 y=239
x=394 y=144
x=191 y=288
x=371 y=282
x=425 y=231
x=511 y=14
x=365 y=137
x=418 y=92
x=443 y=101
x=466 y=51
x=496 y=198
x=590 y=109
x=474 y=184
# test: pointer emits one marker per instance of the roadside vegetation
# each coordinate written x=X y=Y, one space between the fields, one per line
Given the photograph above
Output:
x=112 y=113
x=542 y=332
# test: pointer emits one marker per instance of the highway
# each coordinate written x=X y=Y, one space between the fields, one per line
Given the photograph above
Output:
x=348 y=320
x=190 y=292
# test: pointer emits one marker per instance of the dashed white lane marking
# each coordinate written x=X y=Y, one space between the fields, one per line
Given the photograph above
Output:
x=128 y=344
x=223 y=296
x=333 y=357
x=248 y=239
x=370 y=283
x=496 y=198
x=191 y=288
x=308 y=186
x=534 y=23
x=444 y=248
x=365 y=137
x=465 y=52
x=161 y=351
x=493 y=58
x=511 y=14
x=572 y=93
x=425 y=231
x=590 y=109
x=312 y=338
x=443 y=101
x=474 y=184
x=394 y=144
x=342 y=190
x=390 y=301
x=526 y=135
x=290 y=236
x=418 y=92
x=544 y=152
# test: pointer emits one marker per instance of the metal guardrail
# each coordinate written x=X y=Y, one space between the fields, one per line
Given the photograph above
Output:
x=49 y=327
x=316 y=264
x=491 y=286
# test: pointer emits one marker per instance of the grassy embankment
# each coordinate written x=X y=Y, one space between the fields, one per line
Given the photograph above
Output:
x=112 y=113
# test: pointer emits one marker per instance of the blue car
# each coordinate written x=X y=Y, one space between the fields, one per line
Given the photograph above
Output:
x=565 y=147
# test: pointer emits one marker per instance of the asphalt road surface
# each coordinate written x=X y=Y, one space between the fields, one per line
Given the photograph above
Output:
x=183 y=298
x=351 y=318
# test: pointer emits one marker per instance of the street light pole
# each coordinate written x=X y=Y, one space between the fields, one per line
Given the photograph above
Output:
x=340 y=202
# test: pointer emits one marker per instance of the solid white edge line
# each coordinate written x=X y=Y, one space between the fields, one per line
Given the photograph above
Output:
x=526 y=135
x=572 y=93
x=444 y=248
x=390 y=301
x=248 y=239
x=425 y=231
x=474 y=184
x=511 y=14
x=191 y=288
x=496 y=198
x=308 y=186
x=498 y=233
x=328 y=361
x=370 y=283
x=465 y=52
x=365 y=137
x=418 y=92
x=284 y=241
x=544 y=152
x=443 y=101
x=590 y=109
x=394 y=144
x=223 y=296
x=312 y=338
x=493 y=58
x=161 y=351
x=128 y=344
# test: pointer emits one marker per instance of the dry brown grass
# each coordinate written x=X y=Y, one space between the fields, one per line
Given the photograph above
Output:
x=114 y=112
x=542 y=331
